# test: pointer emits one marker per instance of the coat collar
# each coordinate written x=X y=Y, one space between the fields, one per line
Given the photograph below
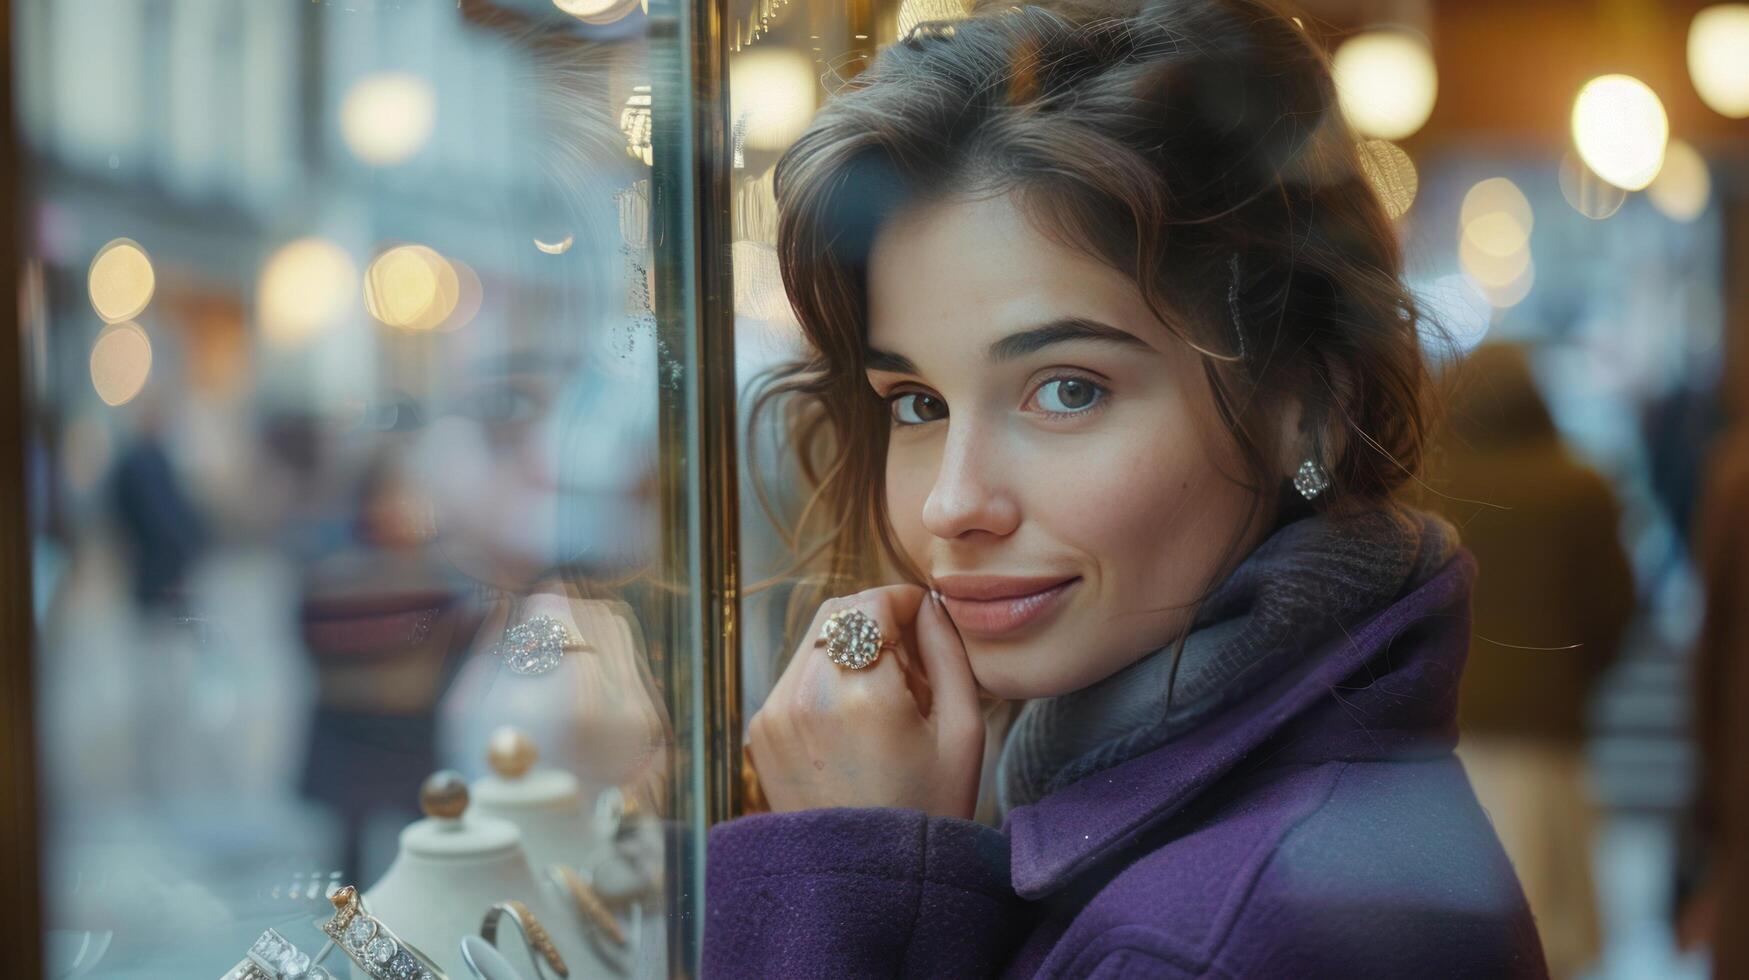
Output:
x=1406 y=704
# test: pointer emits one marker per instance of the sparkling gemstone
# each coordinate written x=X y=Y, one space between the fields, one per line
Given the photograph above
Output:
x=359 y=932
x=293 y=964
x=382 y=949
x=535 y=647
x=404 y=967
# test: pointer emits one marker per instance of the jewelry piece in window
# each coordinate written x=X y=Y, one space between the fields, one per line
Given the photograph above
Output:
x=536 y=646
x=273 y=957
x=590 y=908
x=533 y=933
x=372 y=945
x=852 y=639
x=1311 y=480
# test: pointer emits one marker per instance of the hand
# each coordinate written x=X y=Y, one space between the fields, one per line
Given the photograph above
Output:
x=905 y=731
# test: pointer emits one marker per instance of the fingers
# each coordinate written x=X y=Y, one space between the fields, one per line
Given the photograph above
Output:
x=812 y=685
x=943 y=654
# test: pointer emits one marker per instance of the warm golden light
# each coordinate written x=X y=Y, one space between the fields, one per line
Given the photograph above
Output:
x=1494 y=241
x=1589 y=194
x=121 y=359
x=1512 y=292
x=597 y=11
x=121 y=280
x=772 y=89
x=1392 y=175
x=914 y=12
x=1497 y=217
x=1620 y=130
x=1684 y=185
x=411 y=287
x=1718 y=58
x=634 y=122
x=305 y=288
x=1491 y=271
x=1386 y=82
x=387 y=117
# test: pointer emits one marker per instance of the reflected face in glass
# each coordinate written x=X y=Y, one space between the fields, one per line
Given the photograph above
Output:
x=1055 y=463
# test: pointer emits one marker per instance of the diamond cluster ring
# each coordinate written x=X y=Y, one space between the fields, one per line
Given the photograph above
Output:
x=536 y=646
x=377 y=950
x=852 y=639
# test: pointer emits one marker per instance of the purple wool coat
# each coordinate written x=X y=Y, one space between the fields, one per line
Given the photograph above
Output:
x=1318 y=828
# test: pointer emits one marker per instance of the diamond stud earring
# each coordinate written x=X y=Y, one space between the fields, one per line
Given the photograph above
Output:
x=1311 y=479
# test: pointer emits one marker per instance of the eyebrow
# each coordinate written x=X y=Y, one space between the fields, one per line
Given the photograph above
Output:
x=1017 y=345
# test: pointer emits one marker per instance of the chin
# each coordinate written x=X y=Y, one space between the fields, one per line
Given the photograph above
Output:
x=1020 y=674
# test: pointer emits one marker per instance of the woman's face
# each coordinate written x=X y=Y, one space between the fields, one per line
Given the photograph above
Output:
x=1055 y=466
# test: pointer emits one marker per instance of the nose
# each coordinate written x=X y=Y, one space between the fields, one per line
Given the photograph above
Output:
x=970 y=494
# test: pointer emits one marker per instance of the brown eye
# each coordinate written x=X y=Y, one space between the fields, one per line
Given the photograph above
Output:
x=1064 y=396
x=916 y=408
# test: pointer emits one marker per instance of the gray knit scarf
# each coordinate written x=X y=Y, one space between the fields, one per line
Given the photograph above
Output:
x=1311 y=577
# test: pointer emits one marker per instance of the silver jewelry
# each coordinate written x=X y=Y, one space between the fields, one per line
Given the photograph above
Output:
x=534 y=935
x=1311 y=479
x=852 y=639
x=373 y=945
x=536 y=646
x=1233 y=301
x=273 y=957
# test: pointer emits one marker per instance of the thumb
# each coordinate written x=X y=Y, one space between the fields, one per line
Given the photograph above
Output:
x=943 y=655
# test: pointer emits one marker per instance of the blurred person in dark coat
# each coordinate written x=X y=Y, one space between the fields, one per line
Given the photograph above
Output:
x=1553 y=596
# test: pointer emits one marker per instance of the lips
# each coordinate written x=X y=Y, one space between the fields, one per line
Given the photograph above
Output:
x=991 y=606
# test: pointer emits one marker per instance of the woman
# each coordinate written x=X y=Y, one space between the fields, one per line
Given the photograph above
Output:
x=1114 y=370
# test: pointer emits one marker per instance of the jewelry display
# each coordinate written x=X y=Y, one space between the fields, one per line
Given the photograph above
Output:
x=484 y=960
x=533 y=934
x=590 y=908
x=374 y=946
x=273 y=957
x=852 y=639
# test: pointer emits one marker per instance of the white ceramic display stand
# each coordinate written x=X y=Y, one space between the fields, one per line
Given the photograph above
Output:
x=547 y=805
x=447 y=874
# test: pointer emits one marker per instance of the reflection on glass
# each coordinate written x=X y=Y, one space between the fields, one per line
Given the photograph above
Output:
x=349 y=467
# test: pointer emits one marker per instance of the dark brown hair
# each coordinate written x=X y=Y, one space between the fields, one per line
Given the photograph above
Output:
x=1193 y=145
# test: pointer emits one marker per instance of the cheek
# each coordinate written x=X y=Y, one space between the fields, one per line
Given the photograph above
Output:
x=910 y=476
x=1154 y=508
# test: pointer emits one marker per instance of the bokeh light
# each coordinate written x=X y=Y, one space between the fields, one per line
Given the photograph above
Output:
x=914 y=12
x=387 y=117
x=1386 y=82
x=411 y=287
x=634 y=122
x=771 y=89
x=1392 y=175
x=596 y=11
x=305 y=288
x=121 y=280
x=559 y=247
x=121 y=360
x=1497 y=216
x=1495 y=222
x=1620 y=130
x=1684 y=184
x=1460 y=310
x=1718 y=58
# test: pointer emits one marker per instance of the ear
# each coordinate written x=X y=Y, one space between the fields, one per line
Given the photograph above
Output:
x=1320 y=433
